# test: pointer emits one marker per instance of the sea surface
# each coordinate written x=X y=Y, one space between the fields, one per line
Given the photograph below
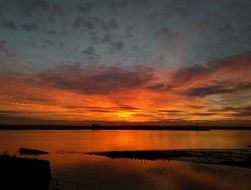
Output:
x=73 y=169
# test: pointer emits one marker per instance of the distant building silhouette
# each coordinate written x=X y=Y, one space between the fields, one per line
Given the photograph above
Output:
x=95 y=126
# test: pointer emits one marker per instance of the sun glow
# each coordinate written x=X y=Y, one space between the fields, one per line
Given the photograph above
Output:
x=124 y=114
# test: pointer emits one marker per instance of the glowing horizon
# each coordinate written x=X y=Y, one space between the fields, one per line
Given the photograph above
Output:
x=125 y=61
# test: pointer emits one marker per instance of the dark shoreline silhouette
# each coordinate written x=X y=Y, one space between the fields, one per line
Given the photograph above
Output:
x=128 y=127
x=28 y=151
x=228 y=157
x=24 y=173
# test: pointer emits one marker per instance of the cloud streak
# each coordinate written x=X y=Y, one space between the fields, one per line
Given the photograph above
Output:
x=126 y=60
x=223 y=69
x=30 y=27
x=8 y=24
x=220 y=76
x=217 y=89
x=95 y=79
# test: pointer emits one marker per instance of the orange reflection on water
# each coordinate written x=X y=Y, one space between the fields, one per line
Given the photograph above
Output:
x=102 y=140
x=68 y=160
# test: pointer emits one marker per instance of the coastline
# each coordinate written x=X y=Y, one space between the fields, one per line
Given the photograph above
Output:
x=128 y=127
x=227 y=157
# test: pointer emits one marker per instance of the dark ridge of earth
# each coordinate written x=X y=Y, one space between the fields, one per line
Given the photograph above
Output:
x=228 y=157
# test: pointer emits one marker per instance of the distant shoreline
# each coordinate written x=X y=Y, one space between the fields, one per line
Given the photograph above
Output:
x=131 y=127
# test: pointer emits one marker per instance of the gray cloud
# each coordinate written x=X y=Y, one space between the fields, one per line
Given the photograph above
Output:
x=157 y=87
x=57 y=10
x=56 y=33
x=119 y=46
x=166 y=34
x=110 y=25
x=236 y=111
x=217 y=89
x=39 y=5
x=30 y=27
x=107 y=38
x=48 y=42
x=134 y=2
x=246 y=111
x=88 y=51
x=8 y=24
x=95 y=80
x=209 y=90
x=82 y=23
x=220 y=76
x=85 y=6
x=32 y=44
x=224 y=68
x=104 y=39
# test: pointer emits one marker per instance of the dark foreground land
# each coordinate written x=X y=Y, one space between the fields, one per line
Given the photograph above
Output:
x=129 y=127
x=229 y=157
x=23 y=173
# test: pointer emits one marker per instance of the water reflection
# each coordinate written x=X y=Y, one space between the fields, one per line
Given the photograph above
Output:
x=104 y=140
x=75 y=170
x=93 y=172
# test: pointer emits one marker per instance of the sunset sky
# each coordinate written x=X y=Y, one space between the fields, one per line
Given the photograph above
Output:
x=125 y=61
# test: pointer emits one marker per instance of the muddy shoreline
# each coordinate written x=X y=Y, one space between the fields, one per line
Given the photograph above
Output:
x=228 y=157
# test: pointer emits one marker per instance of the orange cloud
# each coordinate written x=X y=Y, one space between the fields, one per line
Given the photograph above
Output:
x=128 y=94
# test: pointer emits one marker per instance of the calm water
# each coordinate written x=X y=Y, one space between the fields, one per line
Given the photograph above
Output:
x=76 y=170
